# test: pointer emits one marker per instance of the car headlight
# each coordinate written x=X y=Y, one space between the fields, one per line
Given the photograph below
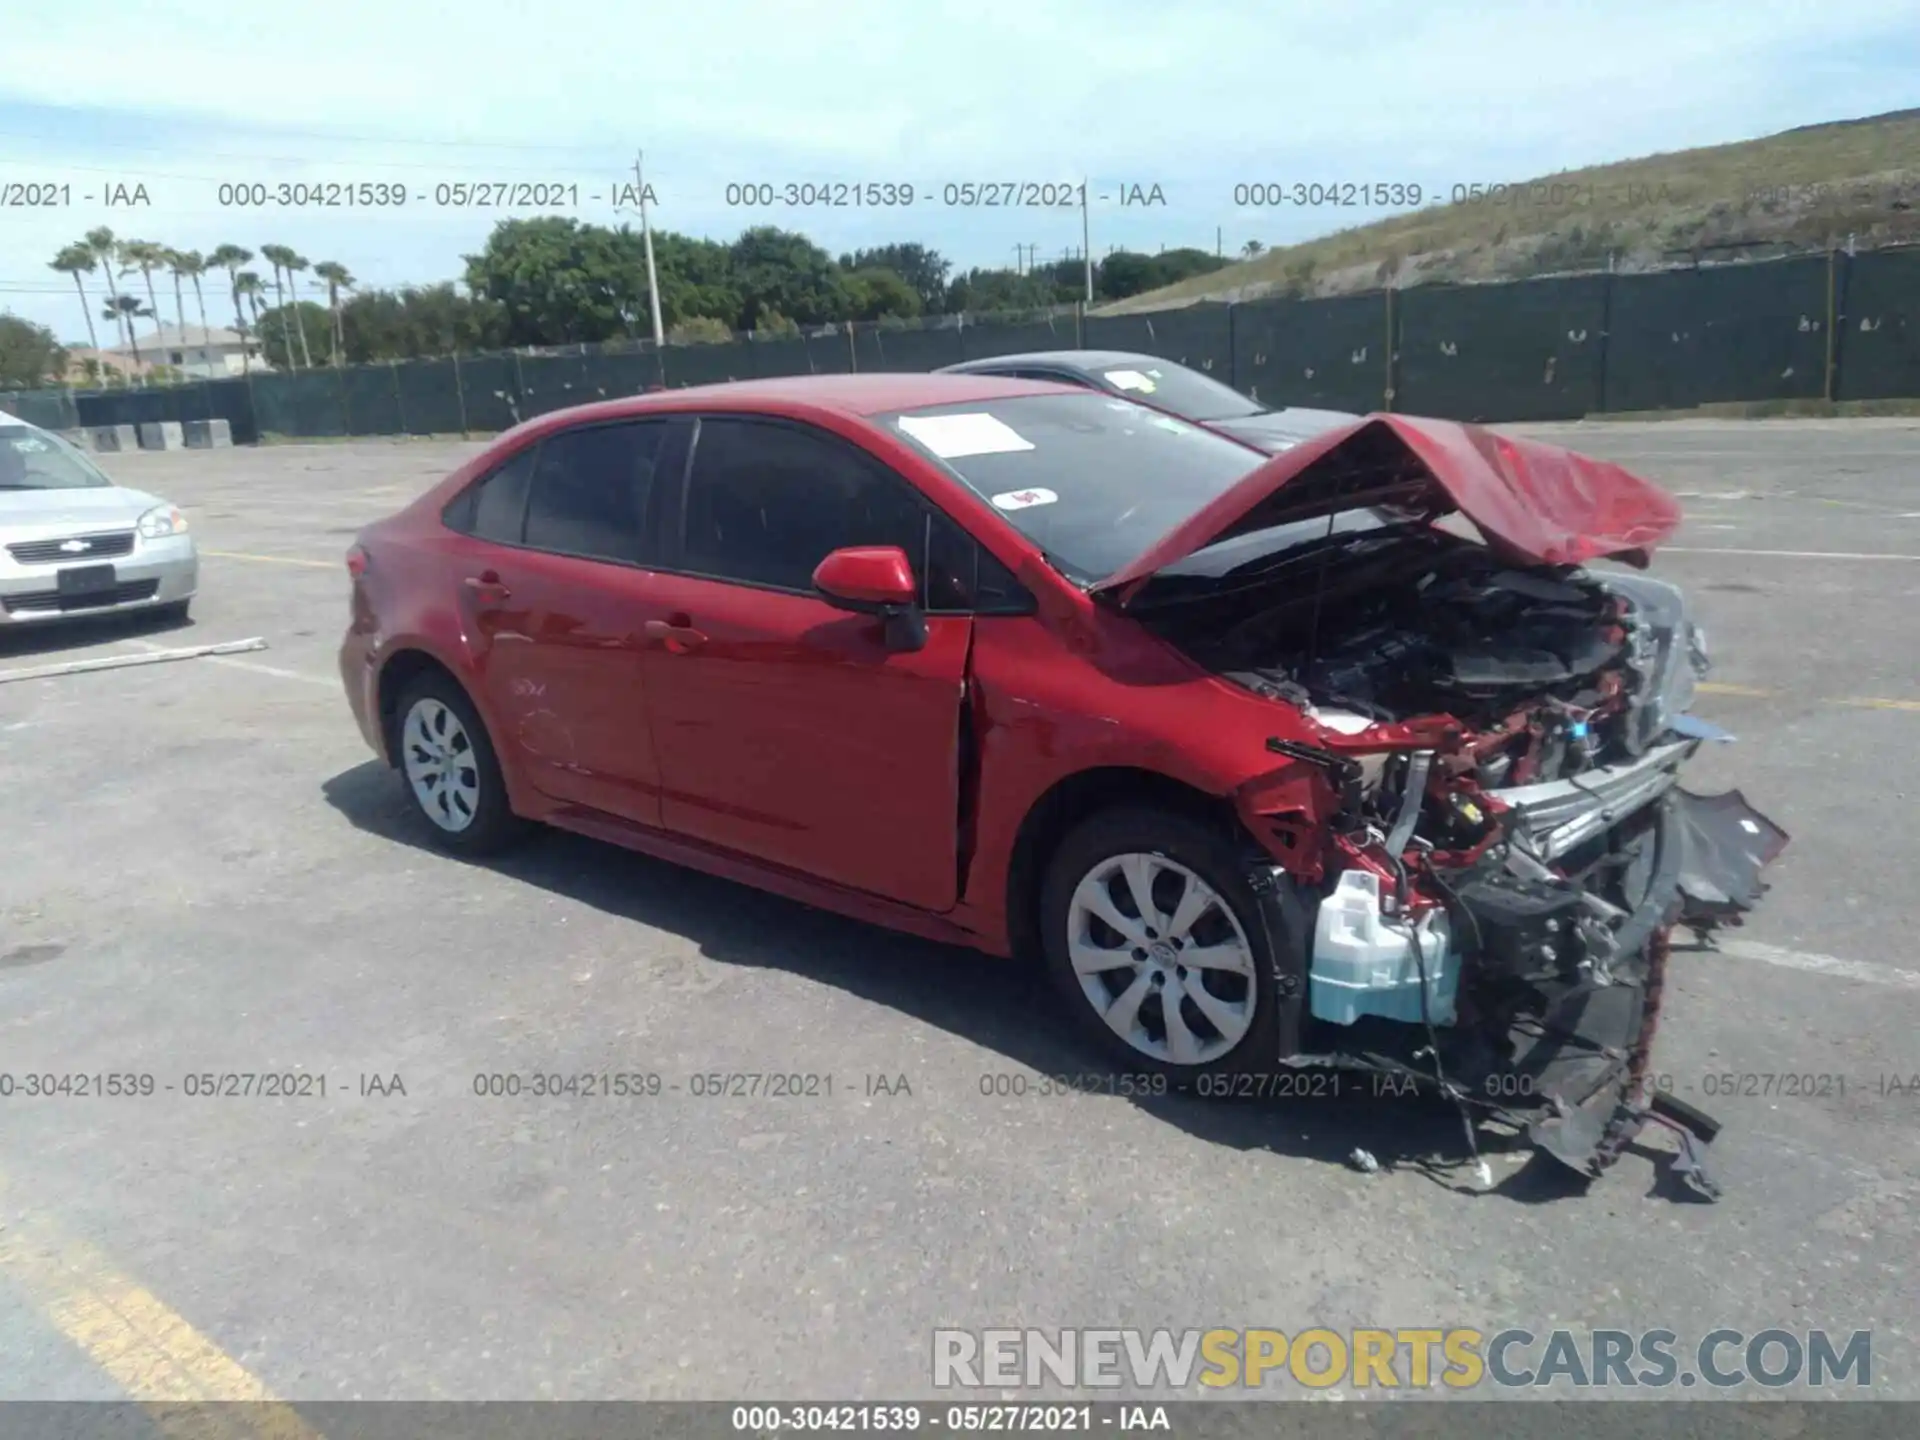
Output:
x=162 y=520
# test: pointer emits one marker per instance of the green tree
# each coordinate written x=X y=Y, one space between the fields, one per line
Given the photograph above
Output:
x=559 y=281
x=696 y=280
x=230 y=258
x=1252 y=248
x=146 y=256
x=924 y=270
x=29 y=355
x=421 y=321
x=783 y=271
x=985 y=291
x=338 y=278
x=278 y=256
x=283 y=326
x=875 y=294
x=76 y=260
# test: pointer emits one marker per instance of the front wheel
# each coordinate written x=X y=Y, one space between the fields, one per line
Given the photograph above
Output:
x=1153 y=938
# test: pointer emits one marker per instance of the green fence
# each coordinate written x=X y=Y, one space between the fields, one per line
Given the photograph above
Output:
x=1832 y=326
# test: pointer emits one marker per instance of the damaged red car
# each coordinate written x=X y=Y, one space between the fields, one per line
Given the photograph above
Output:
x=1355 y=756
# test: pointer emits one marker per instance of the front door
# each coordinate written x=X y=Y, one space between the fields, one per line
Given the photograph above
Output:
x=785 y=728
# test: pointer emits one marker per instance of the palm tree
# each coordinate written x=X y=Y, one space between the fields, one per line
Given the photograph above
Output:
x=249 y=286
x=146 y=257
x=1251 y=248
x=77 y=259
x=293 y=263
x=106 y=253
x=171 y=259
x=192 y=264
x=338 y=278
x=230 y=258
x=277 y=256
x=129 y=309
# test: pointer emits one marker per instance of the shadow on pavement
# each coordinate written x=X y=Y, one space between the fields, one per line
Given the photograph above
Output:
x=1004 y=1006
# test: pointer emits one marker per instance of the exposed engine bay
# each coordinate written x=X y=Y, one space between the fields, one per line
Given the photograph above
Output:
x=1511 y=849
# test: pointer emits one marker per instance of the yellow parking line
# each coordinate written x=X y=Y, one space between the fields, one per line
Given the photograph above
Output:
x=1868 y=703
x=160 y=1360
x=1858 y=702
x=274 y=559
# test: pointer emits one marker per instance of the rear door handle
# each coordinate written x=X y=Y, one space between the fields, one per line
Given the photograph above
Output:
x=487 y=586
x=677 y=634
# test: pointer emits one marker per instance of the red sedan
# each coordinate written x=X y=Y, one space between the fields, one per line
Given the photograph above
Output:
x=1341 y=756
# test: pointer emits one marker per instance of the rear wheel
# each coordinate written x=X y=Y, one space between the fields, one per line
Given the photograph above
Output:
x=452 y=775
x=1153 y=938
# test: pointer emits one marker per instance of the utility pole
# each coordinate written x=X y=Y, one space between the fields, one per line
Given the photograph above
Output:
x=1019 y=258
x=646 y=239
x=1086 y=238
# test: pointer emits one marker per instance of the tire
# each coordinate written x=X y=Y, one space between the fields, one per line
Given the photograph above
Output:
x=1171 y=850
x=439 y=733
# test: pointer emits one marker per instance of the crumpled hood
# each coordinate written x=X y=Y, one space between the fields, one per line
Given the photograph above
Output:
x=1534 y=503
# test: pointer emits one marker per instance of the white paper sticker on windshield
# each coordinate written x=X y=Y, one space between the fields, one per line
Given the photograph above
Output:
x=1021 y=499
x=953 y=437
x=1131 y=380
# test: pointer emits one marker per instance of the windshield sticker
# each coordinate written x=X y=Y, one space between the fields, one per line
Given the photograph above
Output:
x=954 y=437
x=1023 y=499
x=1131 y=380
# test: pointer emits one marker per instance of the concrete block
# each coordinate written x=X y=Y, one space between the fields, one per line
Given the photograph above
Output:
x=209 y=435
x=108 y=438
x=161 y=435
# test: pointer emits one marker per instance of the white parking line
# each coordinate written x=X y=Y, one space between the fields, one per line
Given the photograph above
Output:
x=273 y=670
x=1864 y=970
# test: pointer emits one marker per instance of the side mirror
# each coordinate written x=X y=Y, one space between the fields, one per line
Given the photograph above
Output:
x=875 y=580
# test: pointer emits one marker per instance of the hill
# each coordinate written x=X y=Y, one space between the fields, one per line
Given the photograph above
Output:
x=1801 y=189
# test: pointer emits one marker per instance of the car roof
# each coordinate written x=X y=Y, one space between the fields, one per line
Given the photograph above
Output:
x=870 y=393
x=1077 y=359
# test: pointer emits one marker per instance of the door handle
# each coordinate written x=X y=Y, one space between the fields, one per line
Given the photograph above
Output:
x=676 y=637
x=487 y=586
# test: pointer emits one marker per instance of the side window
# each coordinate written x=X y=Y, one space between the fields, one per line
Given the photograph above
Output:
x=591 y=490
x=767 y=503
x=494 y=508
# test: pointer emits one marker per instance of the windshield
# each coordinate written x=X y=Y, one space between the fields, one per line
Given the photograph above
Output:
x=34 y=460
x=1183 y=391
x=1091 y=479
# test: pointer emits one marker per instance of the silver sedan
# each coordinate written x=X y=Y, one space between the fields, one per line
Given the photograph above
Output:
x=73 y=543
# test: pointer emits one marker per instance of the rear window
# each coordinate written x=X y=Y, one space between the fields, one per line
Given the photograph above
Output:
x=1091 y=479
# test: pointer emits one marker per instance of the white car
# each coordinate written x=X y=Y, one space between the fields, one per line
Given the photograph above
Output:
x=73 y=543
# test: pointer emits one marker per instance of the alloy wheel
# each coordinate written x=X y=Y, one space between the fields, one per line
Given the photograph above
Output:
x=1161 y=958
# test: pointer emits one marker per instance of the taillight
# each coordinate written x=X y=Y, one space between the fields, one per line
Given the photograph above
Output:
x=356 y=562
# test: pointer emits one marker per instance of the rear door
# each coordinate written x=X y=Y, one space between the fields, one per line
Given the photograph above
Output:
x=785 y=728
x=561 y=601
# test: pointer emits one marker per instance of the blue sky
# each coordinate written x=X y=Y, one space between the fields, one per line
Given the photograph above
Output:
x=1194 y=97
